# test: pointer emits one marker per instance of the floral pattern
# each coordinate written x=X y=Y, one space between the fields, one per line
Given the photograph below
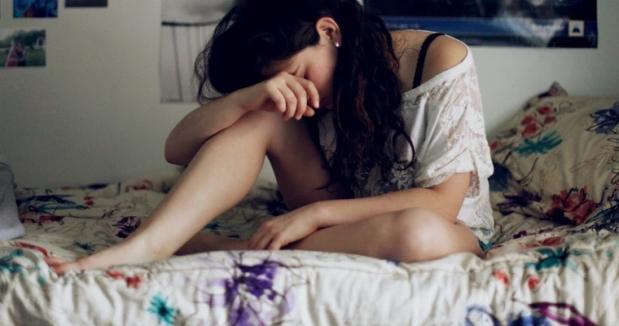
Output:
x=162 y=310
x=555 y=160
x=553 y=274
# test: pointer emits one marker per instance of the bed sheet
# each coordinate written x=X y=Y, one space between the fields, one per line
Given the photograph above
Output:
x=537 y=273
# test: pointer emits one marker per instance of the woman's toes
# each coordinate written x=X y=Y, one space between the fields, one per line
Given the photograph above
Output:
x=61 y=265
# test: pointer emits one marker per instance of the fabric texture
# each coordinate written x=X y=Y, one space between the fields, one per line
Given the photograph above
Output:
x=557 y=158
x=10 y=226
x=535 y=273
x=444 y=119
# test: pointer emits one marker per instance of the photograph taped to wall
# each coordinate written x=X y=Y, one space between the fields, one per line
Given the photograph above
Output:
x=532 y=23
x=35 y=8
x=22 y=47
x=85 y=3
x=186 y=28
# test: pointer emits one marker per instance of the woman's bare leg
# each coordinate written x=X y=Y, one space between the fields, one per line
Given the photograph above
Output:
x=208 y=241
x=219 y=176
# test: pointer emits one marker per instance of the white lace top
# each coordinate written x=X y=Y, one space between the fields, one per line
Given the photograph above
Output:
x=444 y=119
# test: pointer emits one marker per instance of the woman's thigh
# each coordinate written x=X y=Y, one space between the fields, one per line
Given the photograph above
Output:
x=299 y=166
x=408 y=235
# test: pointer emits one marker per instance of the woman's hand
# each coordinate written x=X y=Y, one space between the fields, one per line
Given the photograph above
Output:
x=286 y=93
x=284 y=229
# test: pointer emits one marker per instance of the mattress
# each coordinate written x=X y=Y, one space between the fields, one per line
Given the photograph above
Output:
x=537 y=272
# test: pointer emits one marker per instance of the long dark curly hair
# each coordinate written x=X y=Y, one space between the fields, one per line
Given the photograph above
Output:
x=366 y=89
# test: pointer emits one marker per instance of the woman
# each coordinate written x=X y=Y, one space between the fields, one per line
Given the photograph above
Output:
x=375 y=162
x=16 y=57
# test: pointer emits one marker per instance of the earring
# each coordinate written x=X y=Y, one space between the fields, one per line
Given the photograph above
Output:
x=337 y=44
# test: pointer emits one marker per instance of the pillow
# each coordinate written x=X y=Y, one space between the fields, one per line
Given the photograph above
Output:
x=10 y=226
x=558 y=158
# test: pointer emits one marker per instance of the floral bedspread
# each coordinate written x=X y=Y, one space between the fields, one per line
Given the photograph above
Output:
x=537 y=273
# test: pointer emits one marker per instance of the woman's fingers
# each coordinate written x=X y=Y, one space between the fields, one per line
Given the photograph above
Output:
x=291 y=102
x=61 y=265
x=293 y=96
x=312 y=92
x=279 y=100
x=263 y=242
x=301 y=95
x=260 y=240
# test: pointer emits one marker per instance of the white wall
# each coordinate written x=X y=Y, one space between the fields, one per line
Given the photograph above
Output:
x=93 y=114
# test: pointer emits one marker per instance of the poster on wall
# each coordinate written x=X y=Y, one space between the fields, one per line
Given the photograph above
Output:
x=85 y=3
x=35 y=8
x=527 y=23
x=186 y=28
x=22 y=47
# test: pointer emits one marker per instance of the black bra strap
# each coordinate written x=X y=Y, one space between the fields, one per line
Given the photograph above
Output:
x=422 y=57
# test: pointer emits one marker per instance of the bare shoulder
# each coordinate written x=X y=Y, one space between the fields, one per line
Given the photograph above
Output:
x=443 y=53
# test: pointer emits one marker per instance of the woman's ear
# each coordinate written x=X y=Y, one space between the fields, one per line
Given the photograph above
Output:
x=329 y=30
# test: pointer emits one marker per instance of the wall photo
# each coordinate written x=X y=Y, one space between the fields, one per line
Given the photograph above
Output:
x=35 y=8
x=85 y=3
x=22 y=48
x=532 y=23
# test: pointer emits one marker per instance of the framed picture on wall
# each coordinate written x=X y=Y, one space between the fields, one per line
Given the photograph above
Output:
x=35 y=8
x=22 y=47
x=532 y=23
x=85 y=3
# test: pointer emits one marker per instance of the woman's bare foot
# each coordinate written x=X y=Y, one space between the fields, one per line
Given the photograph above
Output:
x=211 y=242
x=130 y=251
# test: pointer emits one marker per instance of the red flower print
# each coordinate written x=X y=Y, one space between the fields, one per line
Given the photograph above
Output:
x=115 y=274
x=552 y=241
x=532 y=282
x=133 y=281
x=48 y=218
x=529 y=119
x=571 y=207
x=530 y=130
x=494 y=145
x=33 y=247
x=502 y=277
x=545 y=110
x=88 y=200
x=550 y=119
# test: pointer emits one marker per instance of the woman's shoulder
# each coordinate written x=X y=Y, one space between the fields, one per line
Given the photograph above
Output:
x=444 y=54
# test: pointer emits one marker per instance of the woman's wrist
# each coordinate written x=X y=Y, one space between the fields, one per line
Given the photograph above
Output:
x=321 y=212
x=237 y=100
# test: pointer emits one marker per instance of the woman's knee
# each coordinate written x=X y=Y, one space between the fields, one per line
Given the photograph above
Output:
x=414 y=233
x=260 y=126
x=260 y=120
x=277 y=131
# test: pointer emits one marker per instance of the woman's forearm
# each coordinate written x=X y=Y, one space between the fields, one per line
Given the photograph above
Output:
x=199 y=125
x=341 y=211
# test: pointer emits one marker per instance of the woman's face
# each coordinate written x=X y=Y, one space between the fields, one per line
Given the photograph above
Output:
x=315 y=63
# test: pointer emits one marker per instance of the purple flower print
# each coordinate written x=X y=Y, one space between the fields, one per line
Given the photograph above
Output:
x=250 y=295
x=563 y=313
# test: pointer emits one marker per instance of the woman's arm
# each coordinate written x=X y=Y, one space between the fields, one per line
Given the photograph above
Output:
x=445 y=199
x=199 y=125
x=284 y=93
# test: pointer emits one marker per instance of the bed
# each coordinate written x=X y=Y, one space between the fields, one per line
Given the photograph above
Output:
x=552 y=260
